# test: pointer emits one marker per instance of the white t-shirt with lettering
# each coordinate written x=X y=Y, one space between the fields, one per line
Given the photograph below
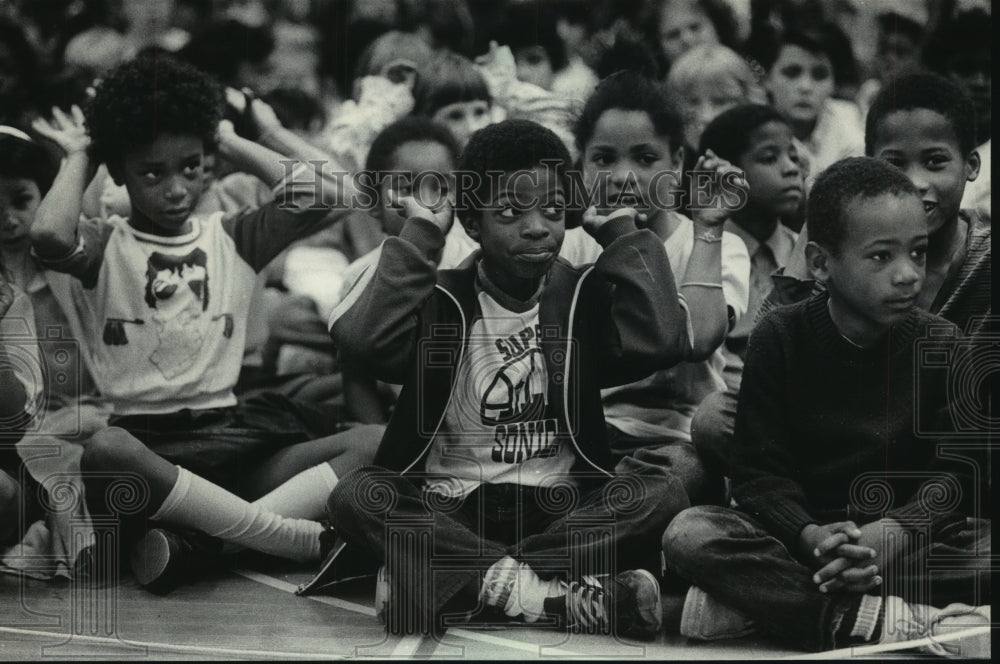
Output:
x=495 y=428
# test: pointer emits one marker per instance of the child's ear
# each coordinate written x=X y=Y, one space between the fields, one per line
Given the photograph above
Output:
x=972 y=166
x=817 y=260
x=470 y=222
x=678 y=156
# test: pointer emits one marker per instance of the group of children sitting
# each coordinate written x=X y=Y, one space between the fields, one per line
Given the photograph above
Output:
x=601 y=409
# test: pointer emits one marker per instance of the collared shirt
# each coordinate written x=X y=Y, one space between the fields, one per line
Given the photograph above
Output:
x=765 y=259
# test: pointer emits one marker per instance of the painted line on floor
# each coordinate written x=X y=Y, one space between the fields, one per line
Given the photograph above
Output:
x=483 y=637
x=471 y=635
x=407 y=646
x=861 y=651
x=278 y=584
x=168 y=647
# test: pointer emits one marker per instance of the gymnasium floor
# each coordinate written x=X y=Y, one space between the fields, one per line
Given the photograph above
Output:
x=253 y=614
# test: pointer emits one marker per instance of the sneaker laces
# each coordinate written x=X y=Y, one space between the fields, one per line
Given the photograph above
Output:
x=586 y=605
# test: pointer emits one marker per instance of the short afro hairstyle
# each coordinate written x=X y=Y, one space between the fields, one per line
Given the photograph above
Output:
x=149 y=97
x=630 y=91
x=924 y=91
x=20 y=158
x=448 y=79
x=410 y=129
x=841 y=183
x=509 y=146
x=728 y=135
x=959 y=42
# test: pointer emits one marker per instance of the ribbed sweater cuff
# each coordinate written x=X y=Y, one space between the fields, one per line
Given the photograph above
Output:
x=614 y=229
x=425 y=235
x=787 y=521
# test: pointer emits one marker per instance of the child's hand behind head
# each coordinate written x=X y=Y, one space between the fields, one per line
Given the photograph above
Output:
x=727 y=190
x=69 y=132
x=498 y=62
x=442 y=217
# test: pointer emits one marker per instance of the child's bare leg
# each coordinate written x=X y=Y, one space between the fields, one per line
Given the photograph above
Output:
x=116 y=451
x=178 y=497
x=343 y=452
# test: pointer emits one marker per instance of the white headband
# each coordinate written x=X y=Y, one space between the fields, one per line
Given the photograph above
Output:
x=16 y=133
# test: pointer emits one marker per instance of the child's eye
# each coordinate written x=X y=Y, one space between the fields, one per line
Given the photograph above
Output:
x=510 y=212
x=21 y=202
x=792 y=71
x=768 y=157
x=601 y=159
x=919 y=254
x=553 y=212
x=937 y=161
x=881 y=256
x=150 y=175
x=820 y=73
x=649 y=159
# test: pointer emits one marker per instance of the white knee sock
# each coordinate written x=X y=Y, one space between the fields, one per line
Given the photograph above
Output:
x=304 y=496
x=194 y=502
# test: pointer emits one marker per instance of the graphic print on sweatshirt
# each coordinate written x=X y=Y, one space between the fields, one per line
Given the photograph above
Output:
x=498 y=427
x=177 y=291
x=514 y=401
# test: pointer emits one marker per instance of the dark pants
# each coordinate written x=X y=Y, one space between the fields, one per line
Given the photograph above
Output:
x=712 y=431
x=732 y=557
x=224 y=445
x=678 y=458
x=437 y=551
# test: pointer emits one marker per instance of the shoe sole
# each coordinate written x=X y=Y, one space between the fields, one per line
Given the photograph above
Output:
x=649 y=606
x=150 y=558
x=382 y=596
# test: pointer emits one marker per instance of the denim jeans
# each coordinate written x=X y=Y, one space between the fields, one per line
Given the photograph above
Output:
x=732 y=557
x=712 y=431
x=634 y=455
x=437 y=550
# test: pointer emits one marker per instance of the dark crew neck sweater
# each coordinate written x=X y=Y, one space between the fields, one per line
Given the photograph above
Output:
x=826 y=430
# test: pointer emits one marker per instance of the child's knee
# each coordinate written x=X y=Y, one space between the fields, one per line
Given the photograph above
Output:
x=352 y=489
x=369 y=438
x=712 y=428
x=689 y=532
x=110 y=449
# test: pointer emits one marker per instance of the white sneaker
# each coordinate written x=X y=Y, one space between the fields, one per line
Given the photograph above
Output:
x=706 y=619
x=382 y=595
x=907 y=622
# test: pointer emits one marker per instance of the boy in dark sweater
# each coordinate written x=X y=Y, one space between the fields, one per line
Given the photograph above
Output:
x=826 y=438
x=497 y=445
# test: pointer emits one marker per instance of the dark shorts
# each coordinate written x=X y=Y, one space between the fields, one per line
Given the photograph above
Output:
x=224 y=445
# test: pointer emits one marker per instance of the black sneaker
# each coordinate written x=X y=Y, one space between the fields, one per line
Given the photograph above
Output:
x=164 y=559
x=627 y=605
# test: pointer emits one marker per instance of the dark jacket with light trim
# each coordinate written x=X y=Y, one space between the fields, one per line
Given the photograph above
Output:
x=603 y=325
x=403 y=321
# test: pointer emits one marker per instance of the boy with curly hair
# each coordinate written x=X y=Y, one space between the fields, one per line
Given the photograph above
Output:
x=164 y=297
